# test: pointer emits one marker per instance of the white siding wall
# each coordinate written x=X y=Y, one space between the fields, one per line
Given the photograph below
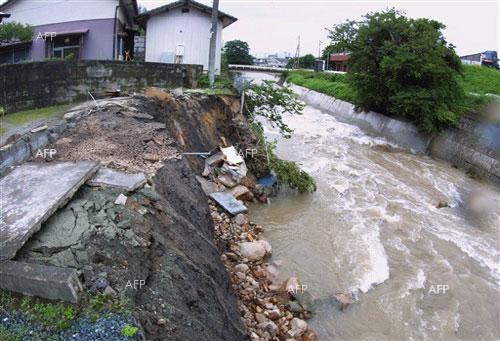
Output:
x=167 y=30
x=45 y=12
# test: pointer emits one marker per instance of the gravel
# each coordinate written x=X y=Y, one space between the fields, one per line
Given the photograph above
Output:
x=108 y=327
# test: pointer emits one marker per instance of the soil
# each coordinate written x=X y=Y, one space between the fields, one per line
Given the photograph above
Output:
x=163 y=235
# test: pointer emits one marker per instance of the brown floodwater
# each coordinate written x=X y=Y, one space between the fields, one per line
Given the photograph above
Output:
x=372 y=229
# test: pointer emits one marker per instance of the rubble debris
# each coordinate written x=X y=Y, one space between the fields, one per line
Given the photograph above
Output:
x=121 y=199
x=110 y=177
x=227 y=180
x=239 y=192
x=40 y=128
x=267 y=309
x=208 y=186
x=49 y=282
x=229 y=203
x=50 y=186
x=232 y=156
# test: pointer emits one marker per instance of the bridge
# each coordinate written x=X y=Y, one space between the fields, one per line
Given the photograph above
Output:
x=268 y=69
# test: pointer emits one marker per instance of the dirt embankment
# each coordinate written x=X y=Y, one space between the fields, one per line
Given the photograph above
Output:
x=163 y=234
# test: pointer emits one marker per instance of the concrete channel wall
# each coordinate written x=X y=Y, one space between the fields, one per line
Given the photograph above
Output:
x=473 y=145
x=40 y=84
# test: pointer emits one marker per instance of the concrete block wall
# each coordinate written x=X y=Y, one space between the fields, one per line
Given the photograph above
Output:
x=39 y=84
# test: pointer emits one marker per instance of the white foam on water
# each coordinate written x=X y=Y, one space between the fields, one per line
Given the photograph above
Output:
x=415 y=283
x=376 y=267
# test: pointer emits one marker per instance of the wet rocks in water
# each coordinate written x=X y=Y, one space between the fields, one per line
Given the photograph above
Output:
x=241 y=219
x=255 y=250
x=344 y=299
x=442 y=204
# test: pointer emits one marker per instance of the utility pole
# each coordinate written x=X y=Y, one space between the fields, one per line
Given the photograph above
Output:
x=213 y=43
x=319 y=49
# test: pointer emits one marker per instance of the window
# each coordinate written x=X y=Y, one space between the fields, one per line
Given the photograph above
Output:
x=65 y=47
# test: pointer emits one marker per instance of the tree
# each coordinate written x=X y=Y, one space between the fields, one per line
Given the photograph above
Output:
x=238 y=52
x=341 y=37
x=403 y=67
x=305 y=62
x=16 y=31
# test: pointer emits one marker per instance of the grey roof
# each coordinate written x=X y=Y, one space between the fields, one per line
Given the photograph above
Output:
x=225 y=18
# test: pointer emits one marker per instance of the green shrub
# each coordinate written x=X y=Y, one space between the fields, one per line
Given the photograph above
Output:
x=129 y=331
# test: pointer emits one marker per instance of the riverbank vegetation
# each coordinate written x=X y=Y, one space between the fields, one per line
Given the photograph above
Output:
x=270 y=101
x=403 y=67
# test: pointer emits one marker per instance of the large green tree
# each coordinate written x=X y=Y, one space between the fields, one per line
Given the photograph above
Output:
x=403 y=67
x=13 y=30
x=237 y=52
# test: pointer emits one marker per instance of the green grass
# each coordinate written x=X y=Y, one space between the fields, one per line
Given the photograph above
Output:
x=209 y=91
x=480 y=80
x=331 y=84
x=26 y=116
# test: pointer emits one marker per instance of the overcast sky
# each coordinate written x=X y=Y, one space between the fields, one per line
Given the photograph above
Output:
x=273 y=26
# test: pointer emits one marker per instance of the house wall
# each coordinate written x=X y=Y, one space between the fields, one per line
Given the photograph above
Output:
x=192 y=29
x=40 y=84
x=97 y=42
x=37 y=13
x=67 y=15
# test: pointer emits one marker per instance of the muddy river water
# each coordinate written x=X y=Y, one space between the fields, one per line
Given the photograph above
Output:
x=373 y=229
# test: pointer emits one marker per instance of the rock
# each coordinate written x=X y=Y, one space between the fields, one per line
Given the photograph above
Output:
x=272 y=328
x=344 y=299
x=254 y=250
x=295 y=307
x=40 y=128
x=121 y=199
x=239 y=191
x=267 y=246
x=53 y=137
x=290 y=285
x=260 y=317
x=241 y=219
x=274 y=314
x=226 y=180
x=161 y=322
x=110 y=291
x=151 y=157
x=442 y=204
x=241 y=275
x=309 y=335
x=298 y=327
x=241 y=268
x=101 y=284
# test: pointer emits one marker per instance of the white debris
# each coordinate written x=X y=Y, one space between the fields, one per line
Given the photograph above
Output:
x=232 y=156
x=121 y=199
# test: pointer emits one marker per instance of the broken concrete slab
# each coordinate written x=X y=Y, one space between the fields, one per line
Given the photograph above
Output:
x=229 y=203
x=31 y=193
x=49 y=282
x=208 y=186
x=232 y=156
x=114 y=178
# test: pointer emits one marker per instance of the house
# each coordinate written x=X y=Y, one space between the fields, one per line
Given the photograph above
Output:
x=101 y=29
x=180 y=32
x=338 y=61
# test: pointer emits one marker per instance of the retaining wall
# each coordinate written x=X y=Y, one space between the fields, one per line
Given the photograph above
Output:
x=39 y=84
x=473 y=145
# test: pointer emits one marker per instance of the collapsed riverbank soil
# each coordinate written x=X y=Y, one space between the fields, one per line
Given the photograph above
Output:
x=162 y=235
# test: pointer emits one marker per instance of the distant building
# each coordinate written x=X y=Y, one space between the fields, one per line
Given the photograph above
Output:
x=338 y=61
x=180 y=33
x=101 y=29
x=272 y=60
